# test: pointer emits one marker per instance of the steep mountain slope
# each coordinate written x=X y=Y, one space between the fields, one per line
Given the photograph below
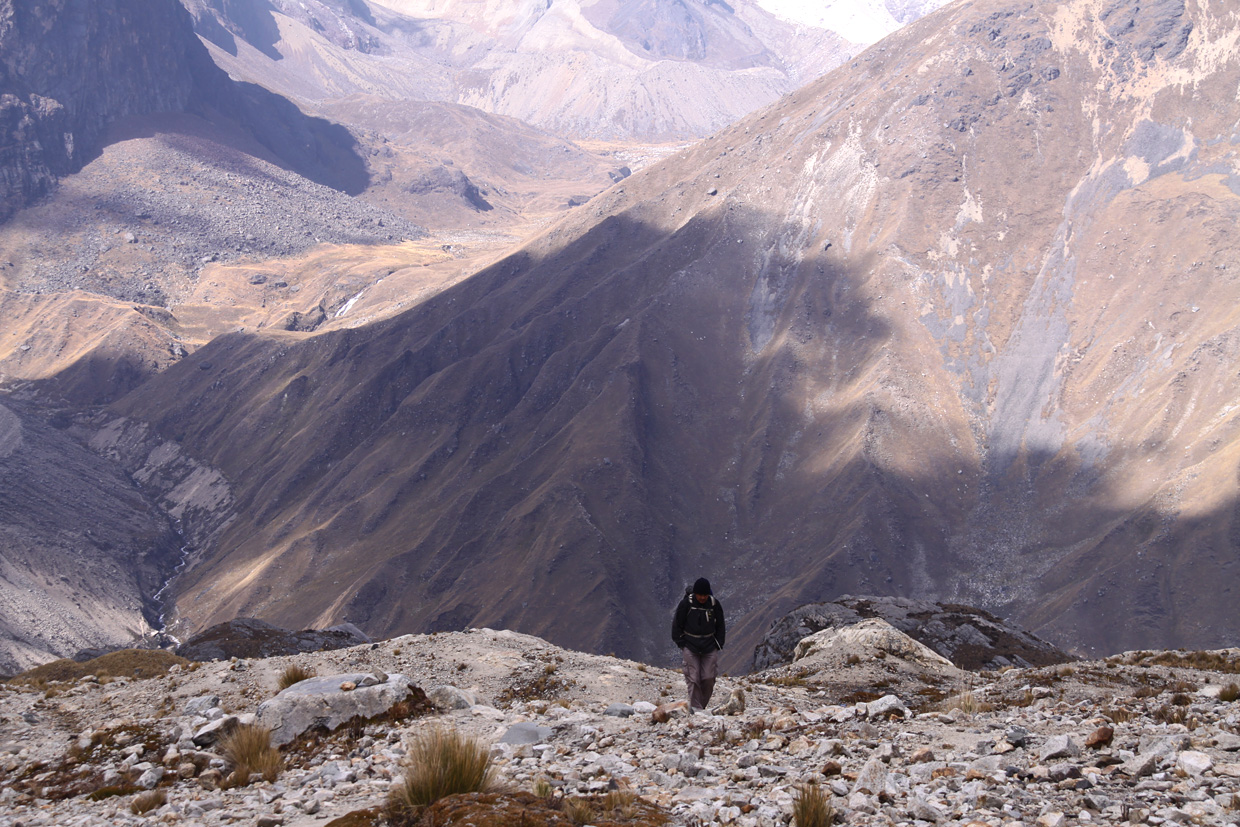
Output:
x=84 y=551
x=70 y=584
x=956 y=321
x=646 y=70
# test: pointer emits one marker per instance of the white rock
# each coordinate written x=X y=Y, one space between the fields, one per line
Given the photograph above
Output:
x=446 y=696
x=1194 y=763
x=872 y=778
x=1059 y=746
x=150 y=779
x=319 y=701
x=867 y=637
x=886 y=706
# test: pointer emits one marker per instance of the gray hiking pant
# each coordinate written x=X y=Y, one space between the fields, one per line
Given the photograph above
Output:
x=700 y=673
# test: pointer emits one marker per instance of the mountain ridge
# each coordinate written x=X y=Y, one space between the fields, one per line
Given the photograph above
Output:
x=596 y=70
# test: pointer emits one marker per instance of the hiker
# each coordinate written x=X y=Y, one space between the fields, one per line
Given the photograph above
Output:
x=699 y=631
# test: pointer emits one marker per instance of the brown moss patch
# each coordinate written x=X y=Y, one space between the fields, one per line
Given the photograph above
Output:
x=1224 y=661
x=544 y=686
x=373 y=817
x=316 y=741
x=505 y=809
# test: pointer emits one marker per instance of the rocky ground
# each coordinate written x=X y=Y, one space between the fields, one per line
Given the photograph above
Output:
x=1142 y=738
x=166 y=197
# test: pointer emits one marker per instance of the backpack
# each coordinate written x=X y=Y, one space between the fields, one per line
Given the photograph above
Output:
x=700 y=619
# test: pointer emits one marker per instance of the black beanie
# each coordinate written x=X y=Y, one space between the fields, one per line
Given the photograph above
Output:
x=702 y=586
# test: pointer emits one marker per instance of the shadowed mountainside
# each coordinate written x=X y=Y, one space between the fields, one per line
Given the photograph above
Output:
x=955 y=322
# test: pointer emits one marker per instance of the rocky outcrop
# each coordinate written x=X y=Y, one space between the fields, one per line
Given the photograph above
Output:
x=248 y=637
x=449 y=182
x=71 y=68
x=871 y=636
x=968 y=637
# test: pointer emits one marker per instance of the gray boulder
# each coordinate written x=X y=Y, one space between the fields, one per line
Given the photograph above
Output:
x=322 y=702
x=220 y=728
x=885 y=706
x=1059 y=746
x=446 y=697
x=872 y=779
x=150 y=779
x=200 y=705
x=525 y=732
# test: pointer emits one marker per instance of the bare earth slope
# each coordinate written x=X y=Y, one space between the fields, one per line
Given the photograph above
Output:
x=954 y=322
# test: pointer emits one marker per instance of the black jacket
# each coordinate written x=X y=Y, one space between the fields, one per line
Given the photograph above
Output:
x=698 y=627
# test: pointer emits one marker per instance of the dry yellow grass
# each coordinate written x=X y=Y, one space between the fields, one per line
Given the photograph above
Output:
x=810 y=807
x=294 y=673
x=967 y=703
x=441 y=762
x=248 y=749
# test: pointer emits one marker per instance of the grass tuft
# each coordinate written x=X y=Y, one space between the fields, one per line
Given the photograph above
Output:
x=249 y=750
x=441 y=762
x=543 y=788
x=620 y=804
x=967 y=703
x=294 y=673
x=810 y=807
x=579 y=810
x=1170 y=714
x=1229 y=693
x=1118 y=714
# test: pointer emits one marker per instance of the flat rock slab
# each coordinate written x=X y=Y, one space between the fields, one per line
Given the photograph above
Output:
x=525 y=732
x=320 y=701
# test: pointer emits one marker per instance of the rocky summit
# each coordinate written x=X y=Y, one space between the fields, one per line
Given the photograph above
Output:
x=1140 y=738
